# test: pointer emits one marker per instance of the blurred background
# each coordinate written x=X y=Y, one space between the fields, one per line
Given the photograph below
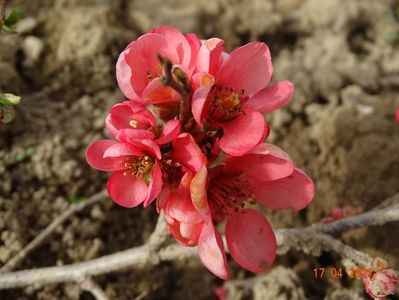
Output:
x=342 y=56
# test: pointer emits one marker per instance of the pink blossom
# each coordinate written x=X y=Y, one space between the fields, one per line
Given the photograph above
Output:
x=138 y=69
x=224 y=193
x=186 y=158
x=130 y=120
x=136 y=176
x=382 y=283
x=232 y=93
x=169 y=141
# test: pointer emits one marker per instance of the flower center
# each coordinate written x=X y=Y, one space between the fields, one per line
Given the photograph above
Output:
x=224 y=104
x=140 y=166
x=154 y=73
x=229 y=194
x=156 y=130
x=171 y=172
x=133 y=123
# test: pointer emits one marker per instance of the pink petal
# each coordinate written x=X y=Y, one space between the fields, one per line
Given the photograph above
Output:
x=209 y=55
x=187 y=152
x=148 y=146
x=211 y=252
x=186 y=234
x=221 y=293
x=242 y=134
x=144 y=118
x=251 y=240
x=119 y=117
x=95 y=156
x=184 y=185
x=191 y=231
x=124 y=75
x=170 y=131
x=264 y=163
x=272 y=97
x=199 y=99
x=139 y=70
x=249 y=67
x=177 y=41
x=295 y=192
x=182 y=209
x=135 y=105
x=155 y=185
x=157 y=93
x=129 y=135
x=127 y=190
x=148 y=46
x=122 y=149
x=122 y=115
x=195 y=43
x=198 y=193
x=382 y=283
x=162 y=197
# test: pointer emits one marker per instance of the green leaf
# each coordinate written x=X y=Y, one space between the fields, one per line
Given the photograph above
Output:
x=7 y=113
x=12 y=18
x=76 y=199
x=7 y=29
x=9 y=99
x=26 y=153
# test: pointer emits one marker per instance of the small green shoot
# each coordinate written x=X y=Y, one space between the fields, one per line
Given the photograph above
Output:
x=25 y=154
x=76 y=199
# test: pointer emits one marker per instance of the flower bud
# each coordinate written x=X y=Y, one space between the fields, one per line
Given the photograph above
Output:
x=382 y=283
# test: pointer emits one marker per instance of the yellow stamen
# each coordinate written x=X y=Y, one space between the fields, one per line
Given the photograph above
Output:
x=133 y=123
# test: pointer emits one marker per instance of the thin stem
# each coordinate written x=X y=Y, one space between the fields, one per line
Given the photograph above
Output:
x=373 y=217
x=93 y=288
x=311 y=240
x=146 y=255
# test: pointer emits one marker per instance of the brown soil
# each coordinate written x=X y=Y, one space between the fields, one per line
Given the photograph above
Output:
x=339 y=128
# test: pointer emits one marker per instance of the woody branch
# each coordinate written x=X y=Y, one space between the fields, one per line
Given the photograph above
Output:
x=311 y=240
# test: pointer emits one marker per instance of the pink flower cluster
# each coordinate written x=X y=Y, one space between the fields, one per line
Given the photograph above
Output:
x=191 y=135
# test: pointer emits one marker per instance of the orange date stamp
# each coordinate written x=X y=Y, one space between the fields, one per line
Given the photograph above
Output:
x=353 y=273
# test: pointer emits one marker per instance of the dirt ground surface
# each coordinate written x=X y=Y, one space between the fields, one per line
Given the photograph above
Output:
x=343 y=57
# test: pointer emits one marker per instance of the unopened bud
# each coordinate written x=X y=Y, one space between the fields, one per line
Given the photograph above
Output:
x=180 y=76
x=9 y=99
x=382 y=283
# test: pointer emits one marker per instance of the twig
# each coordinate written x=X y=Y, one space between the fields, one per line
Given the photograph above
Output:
x=39 y=239
x=373 y=217
x=93 y=288
x=146 y=255
x=313 y=242
x=142 y=295
x=310 y=240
